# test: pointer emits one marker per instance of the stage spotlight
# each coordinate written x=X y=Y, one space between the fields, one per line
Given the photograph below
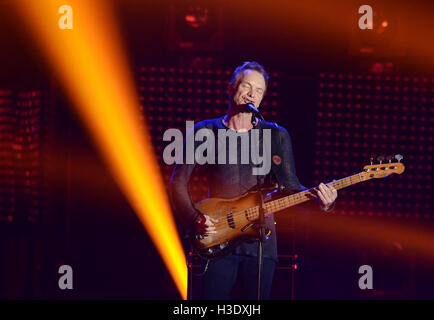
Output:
x=197 y=17
x=195 y=26
x=388 y=37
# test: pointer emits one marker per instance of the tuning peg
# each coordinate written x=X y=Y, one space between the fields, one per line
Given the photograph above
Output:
x=371 y=160
x=390 y=158
x=380 y=159
x=399 y=157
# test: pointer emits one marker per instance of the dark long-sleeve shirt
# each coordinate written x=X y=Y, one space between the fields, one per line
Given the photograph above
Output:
x=231 y=180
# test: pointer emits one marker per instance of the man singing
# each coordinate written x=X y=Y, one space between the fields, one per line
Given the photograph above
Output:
x=228 y=180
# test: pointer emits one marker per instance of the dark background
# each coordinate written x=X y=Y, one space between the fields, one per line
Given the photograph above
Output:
x=86 y=222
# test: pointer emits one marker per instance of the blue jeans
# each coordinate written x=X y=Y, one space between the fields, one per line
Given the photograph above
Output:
x=221 y=275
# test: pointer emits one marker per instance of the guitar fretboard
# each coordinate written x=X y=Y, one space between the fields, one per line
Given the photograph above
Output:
x=300 y=197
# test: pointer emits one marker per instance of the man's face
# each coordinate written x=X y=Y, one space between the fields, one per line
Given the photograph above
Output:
x=251 y=88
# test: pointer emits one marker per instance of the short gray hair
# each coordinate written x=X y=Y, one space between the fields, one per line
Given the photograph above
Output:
x=248 y=65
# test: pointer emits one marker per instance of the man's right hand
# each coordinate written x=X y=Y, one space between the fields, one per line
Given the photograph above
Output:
x=205 y=225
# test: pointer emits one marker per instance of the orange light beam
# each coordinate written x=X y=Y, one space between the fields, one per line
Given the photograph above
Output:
x=90 y=62
x=346 y=231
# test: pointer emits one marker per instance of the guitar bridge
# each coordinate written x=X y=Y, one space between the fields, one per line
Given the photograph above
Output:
x=247 y=227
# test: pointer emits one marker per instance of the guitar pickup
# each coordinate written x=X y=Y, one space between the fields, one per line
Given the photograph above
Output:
x=231 y=220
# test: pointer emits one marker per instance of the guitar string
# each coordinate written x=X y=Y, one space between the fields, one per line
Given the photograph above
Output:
x=239 y=215
x=274 y=206
x=342 y=181
x=236 y=216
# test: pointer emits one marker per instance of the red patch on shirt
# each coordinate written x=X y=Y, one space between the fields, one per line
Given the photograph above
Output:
x=277 y=160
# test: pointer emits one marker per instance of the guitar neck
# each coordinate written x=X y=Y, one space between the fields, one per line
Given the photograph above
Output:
x=303 y=196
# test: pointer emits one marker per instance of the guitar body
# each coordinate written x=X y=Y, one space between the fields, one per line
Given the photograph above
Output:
x=237 y=224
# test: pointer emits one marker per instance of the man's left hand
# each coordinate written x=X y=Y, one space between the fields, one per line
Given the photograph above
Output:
x=327 y=194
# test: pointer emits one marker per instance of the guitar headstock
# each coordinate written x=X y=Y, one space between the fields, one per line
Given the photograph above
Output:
x=382 y=170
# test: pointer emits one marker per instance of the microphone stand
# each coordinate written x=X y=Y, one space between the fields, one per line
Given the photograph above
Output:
x=261 y=220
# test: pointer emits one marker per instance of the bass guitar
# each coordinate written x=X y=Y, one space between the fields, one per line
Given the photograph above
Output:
x=237 y=217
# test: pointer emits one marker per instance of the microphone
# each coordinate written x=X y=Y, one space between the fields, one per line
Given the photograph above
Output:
x=251 y=108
